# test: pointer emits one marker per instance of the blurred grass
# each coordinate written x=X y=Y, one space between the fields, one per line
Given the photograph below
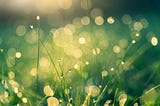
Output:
x=137 y=78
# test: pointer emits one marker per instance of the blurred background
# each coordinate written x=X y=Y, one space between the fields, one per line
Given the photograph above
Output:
x=79 y=52
x=27 y=8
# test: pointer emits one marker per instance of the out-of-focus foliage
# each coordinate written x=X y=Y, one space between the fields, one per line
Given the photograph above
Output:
x=92 y=60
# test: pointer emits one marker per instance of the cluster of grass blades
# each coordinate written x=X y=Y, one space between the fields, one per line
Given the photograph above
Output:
x=84 y=65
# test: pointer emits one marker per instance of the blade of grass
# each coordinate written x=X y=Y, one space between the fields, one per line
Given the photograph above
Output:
x=38 y=55
x=61 y=76
x=147 y=92
x=86 y=100
x=50 y=57
x=115 y=97
x=102 y=93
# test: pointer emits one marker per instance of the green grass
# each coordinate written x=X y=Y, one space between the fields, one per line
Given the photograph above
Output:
x=132 y=71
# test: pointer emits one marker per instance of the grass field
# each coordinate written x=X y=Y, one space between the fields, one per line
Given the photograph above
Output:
x=81 y=57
